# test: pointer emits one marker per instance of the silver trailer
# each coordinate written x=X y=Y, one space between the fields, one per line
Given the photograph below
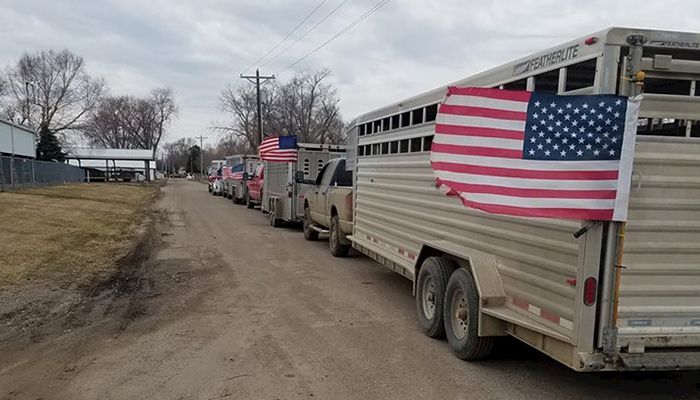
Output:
x=554 y=284
x=284 y=187
x=236 y=189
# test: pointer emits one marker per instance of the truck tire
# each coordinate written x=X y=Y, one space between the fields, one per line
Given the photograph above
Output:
x=309 y=232
x=461 y=315
x=337 y=249
x=430 y=293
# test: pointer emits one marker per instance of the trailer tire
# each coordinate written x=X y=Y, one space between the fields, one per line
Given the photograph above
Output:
x=430 y=291
x=337 y=249
x=309 y=232
x=461 y=316
x=274 y=221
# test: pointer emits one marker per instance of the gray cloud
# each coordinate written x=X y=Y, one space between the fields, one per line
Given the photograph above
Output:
x=406 y=47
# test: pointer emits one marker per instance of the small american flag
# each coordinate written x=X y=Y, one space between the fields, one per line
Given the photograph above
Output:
x=237 y=172
x=279 y=149
x=226 y=173
x=535 y=154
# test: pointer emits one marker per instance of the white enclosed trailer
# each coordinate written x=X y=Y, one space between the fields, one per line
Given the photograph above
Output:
x=533 y=279
x=236 y=189
x=283 y=190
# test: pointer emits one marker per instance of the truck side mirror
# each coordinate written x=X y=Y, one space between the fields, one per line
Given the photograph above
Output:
x=246 y=176
x=299 y=177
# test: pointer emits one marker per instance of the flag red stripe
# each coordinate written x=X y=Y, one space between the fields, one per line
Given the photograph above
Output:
x=566 y=213
x=482 y=112
x=525 y=173
x=476 y=151
x=478 y=131
x=491 y=93
x=531 y=193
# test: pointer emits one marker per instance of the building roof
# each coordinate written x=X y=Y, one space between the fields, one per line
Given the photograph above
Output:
x=111 y=154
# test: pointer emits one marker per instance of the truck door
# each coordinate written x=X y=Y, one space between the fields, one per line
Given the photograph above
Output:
x=328 y=173
x=312 y=196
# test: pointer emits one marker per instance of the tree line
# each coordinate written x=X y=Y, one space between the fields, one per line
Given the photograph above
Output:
x=52 y=92
x=306 y=105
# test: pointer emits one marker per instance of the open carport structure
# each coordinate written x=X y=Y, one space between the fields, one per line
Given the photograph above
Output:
x=114 y=161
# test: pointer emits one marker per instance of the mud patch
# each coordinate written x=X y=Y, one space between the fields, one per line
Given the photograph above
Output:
x=33 y=312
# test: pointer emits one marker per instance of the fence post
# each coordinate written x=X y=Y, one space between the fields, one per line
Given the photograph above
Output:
x=33 y=173
x=2 y=174
x=12 y=171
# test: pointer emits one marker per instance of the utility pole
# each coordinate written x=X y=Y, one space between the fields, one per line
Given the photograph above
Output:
x=201 y=154
x=256 y=80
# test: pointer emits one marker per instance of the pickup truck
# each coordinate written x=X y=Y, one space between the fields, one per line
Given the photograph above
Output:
x=255 y=187
x=328 y=207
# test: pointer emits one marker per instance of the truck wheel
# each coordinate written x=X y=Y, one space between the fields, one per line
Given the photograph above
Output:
x=309 y=232
x=461 y=314
x=235 y=200
x=337 y=249
x=430 y=293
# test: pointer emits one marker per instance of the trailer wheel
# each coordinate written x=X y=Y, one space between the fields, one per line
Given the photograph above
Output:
x=430 y=291
x=337 y=249
x=309 y=232
x=274 y=221
x=461 y=314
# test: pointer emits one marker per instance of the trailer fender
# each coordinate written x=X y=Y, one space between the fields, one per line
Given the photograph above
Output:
x=483 y=268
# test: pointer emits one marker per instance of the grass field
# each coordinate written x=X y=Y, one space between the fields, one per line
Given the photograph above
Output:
x=68 y=233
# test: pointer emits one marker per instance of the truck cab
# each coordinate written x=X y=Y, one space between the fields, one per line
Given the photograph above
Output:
x=328 y=207
x=255 y=187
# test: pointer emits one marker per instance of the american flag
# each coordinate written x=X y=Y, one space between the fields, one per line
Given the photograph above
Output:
x=535 y=154
x=279 y=149
x=237 y=172
x=226 y=173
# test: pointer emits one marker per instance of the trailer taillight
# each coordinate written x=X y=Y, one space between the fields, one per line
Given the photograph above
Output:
x=590 y=291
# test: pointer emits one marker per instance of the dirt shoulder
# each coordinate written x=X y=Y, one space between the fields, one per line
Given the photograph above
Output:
x=62 y=247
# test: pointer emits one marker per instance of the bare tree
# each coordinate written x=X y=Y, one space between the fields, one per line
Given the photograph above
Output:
x=239 y=105
x=51 y=90
x=305 y=106
x=128 y=122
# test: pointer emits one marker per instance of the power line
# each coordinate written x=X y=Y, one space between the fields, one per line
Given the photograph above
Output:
x=288 y=34
x=359 y=19
x=306 y=33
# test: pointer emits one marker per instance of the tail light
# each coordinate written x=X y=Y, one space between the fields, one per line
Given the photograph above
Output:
x=591 y=41
x=590 y=291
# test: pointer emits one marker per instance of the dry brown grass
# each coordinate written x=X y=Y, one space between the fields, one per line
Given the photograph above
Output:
x=68 y=233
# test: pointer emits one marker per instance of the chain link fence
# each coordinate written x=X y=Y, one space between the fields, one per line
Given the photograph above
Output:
x=21 y=172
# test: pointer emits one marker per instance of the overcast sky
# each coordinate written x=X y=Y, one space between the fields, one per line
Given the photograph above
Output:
x=406 y=47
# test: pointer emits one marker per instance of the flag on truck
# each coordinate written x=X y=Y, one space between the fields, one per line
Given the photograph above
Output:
x=278 y=149
x=237 y=172
x=535 y=154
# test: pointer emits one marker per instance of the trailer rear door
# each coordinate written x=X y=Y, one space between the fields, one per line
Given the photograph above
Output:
x=660 y=285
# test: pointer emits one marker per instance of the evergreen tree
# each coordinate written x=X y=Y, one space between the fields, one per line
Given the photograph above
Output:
x=49 y=148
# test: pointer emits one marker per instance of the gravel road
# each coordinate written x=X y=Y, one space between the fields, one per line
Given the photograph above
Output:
x=237 y=309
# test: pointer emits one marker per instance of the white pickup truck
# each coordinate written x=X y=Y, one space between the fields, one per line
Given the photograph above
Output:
x=328 y=207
